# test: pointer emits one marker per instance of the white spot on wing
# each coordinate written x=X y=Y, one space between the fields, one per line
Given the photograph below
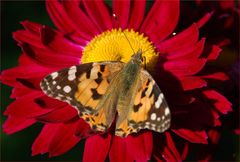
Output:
x=159 y=101
x=67 y=89
x=161 y=95
x=147 y=123
x=153 y=116
x=71 y=77
x=147 y=126
x=54 y=75
x=72 y=73
x=166 y=111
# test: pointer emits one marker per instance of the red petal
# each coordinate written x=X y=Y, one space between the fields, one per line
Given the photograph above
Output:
x=214 y=135
x=218 y=76
x=161 y=20
x=224 y=42
x=58 y=43
x=15 y=124
x=45 y=57
x=179 y=41
x=99 y=14
x=20 y=91
x=230 y=4
x=190 y=83
x=184 y=67
x=165 y=149
x=214 y=53
x=140 y=146
x=188 y=53
x=31 y=27
x=98 y=146
x=83 y=24
x=83 y=129
x=204 y=19
x=26 y=71
x=170 y=152
x=59 y=115
x=25 y=60
x=41 y=143
x=216 y=119
x=60 y=17
x=220 y=102
x=192 y=136
x=118 y=149
x=137 y=14
x=64 y=139
x=19 y=78
x=121 y=9
x=24 y=36
x=237 y=131
x=49 y=103
x=185 y=151
x=25 y=107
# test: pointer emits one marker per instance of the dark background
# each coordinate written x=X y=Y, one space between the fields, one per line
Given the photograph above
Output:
x=17 y=147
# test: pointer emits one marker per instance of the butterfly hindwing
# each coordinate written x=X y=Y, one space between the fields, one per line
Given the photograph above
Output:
x=149 y=111
x=83 y=87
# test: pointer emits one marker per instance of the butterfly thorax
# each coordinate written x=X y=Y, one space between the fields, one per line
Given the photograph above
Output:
x=129 y=74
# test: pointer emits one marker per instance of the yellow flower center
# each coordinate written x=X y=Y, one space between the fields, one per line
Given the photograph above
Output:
x=118 y=45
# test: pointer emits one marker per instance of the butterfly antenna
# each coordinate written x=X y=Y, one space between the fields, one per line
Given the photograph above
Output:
x=116 y=19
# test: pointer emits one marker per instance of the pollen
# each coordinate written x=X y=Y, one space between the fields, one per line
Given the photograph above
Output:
x=119 y=45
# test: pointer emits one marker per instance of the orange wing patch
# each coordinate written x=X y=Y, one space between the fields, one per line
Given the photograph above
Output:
x=89 y=92
x=97 y=121
x=92 y=85
x=142 y=103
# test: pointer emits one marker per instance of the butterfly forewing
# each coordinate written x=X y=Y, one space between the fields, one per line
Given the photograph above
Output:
x=83 y=87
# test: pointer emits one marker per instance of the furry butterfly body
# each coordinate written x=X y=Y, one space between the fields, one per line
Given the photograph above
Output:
x=103 y=91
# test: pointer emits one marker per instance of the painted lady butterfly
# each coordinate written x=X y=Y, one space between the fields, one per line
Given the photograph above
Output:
x=104 y=91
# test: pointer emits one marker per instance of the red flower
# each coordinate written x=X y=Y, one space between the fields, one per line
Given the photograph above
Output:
x=180 y=59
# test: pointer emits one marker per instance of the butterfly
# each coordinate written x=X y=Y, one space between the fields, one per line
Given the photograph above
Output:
x=112 y=92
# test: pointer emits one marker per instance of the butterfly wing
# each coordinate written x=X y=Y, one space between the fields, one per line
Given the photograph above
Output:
x=85 y=87
x=149 y=111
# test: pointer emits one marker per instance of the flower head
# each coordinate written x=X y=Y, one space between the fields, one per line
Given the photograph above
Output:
x=87 y=32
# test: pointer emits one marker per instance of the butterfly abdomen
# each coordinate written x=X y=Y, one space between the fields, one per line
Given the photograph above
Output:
x=128 y=87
